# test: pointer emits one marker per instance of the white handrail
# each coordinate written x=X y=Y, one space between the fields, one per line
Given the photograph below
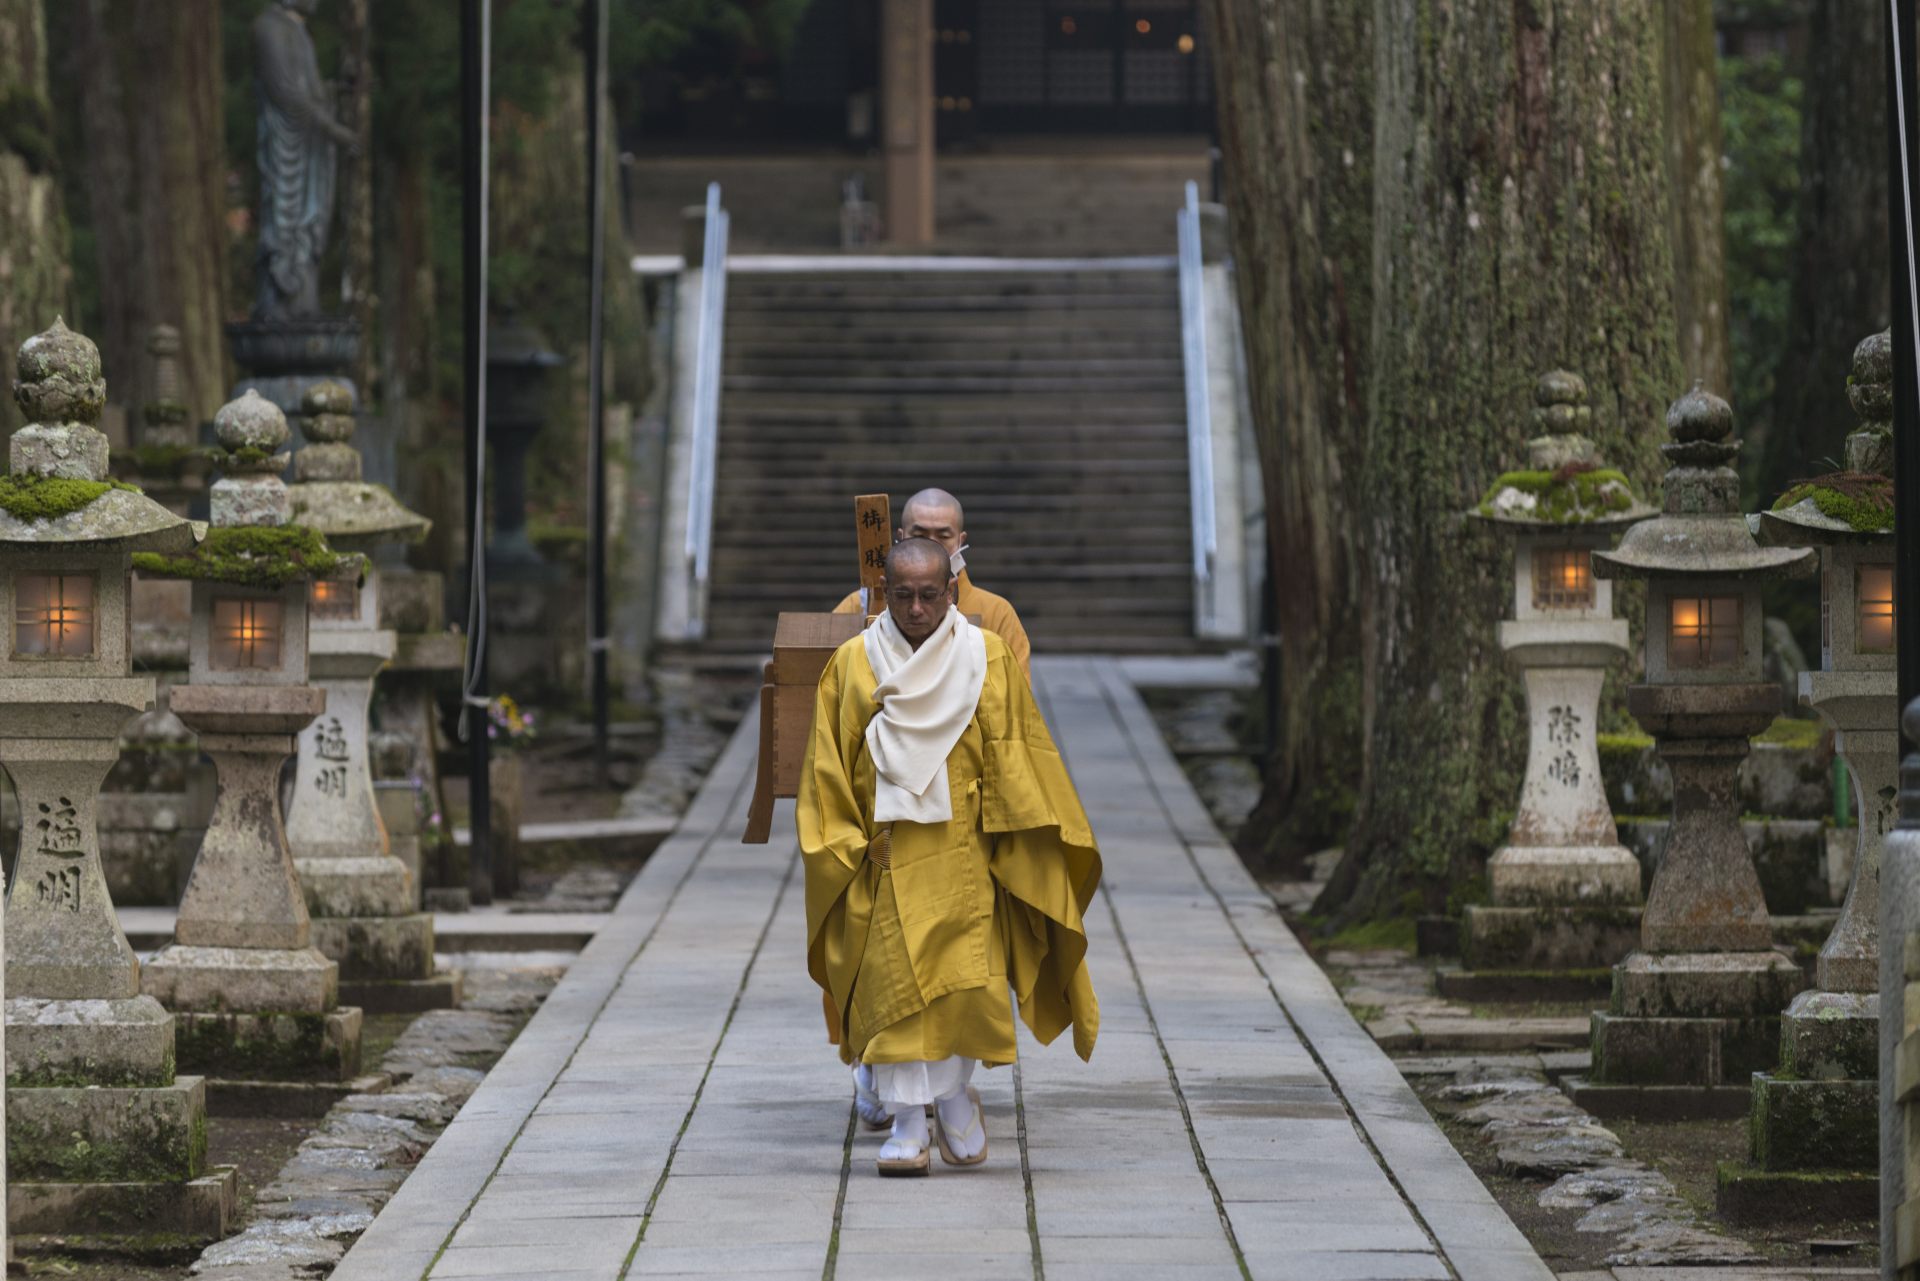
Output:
x=704 y=438
x=1193 y=350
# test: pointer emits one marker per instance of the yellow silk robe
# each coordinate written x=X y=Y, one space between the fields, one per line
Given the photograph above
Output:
x=996 y=614
x=915 y=962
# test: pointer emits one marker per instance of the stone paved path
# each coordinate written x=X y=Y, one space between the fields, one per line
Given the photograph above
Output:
x=673 y=1109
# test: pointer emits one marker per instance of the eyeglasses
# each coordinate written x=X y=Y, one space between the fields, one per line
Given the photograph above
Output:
x=905 y=596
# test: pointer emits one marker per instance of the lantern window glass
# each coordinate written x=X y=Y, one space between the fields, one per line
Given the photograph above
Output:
x=1562 y=578
x=245 y=635
x=336 y=598
x=53 y=615
x=1874 y=588
x=1704 y=632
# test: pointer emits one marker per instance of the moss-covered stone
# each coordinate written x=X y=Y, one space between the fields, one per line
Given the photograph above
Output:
x=1571 y=495
x=50 y=497
x=1807 y=1125
x=279 y=1047
x=1861 y=500
x=79 y=1135
x=1770 y=1198
x=251 y=556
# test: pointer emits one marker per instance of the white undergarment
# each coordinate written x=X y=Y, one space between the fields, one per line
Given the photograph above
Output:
x=903 y=1085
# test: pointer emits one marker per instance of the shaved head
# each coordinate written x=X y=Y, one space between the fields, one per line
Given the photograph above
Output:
x=919 y=587
x=931 y=504
x=913 y=556
x=935 y=514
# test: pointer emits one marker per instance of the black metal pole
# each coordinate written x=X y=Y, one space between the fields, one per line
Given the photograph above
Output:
x=1906 y=321
x=597 y=641
x=476 y=38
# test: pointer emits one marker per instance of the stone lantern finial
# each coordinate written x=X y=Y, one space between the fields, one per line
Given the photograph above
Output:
x=60 y=392
x=163 y=344
x=251 y=429
x=1870 y=392
x=1560 y=403
x=330 y=425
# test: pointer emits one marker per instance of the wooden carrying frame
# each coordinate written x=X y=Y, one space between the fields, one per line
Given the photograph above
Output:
x=802 y=646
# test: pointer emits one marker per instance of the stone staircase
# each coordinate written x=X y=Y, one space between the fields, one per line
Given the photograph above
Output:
x=1049 y=399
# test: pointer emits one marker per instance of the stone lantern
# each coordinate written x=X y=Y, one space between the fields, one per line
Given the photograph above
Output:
x=1559 y=882
x=362 y=899
x=99 y=1129
x=1699 y=1003
x=1820 y=1110
x=251 y=994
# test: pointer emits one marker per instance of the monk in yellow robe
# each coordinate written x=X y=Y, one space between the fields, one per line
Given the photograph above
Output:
x=936 y=514
x=948 y=862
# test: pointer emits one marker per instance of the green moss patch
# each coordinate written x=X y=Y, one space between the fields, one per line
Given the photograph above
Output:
x=1787 y=731
x=251 y=556
x=51 y=497
x=1862 y=501
x=1570 y=495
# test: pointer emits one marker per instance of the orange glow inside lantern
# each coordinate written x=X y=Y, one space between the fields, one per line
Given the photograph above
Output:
x=53 y=615
x=245 y=634
x=1562 y=578
x=1874 y=589
x=1703 y=631
x=335 y=597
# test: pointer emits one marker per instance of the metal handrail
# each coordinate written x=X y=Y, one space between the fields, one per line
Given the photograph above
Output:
x=704 y=434
x=1193 y=350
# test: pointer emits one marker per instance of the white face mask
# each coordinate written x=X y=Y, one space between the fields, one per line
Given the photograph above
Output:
x=958 y=560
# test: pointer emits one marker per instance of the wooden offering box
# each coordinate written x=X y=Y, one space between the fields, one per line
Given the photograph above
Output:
x=802 y=644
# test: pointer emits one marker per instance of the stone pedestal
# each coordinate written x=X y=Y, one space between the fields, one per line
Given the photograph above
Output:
x=254 y=998
x=1565 y=891
x=93 y=1108
x=361 y=898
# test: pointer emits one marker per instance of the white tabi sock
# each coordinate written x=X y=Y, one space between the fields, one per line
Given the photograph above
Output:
x=956 y=1123
x=909 y=1137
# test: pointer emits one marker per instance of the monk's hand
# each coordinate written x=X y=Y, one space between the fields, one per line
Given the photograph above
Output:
x=880 y=849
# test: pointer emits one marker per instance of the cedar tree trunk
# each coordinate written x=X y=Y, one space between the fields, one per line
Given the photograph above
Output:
x=1296 y=125
x=33 y=226
x=1520 y=225
x=156 y=169
x=1840 y=290
x=1691 y=83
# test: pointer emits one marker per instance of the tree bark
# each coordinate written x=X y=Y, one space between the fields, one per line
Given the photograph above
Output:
x=357 y=297
x=1840 y=289
x=1690 y=81
x=1520 y=225
x=33 y=227
x=156 y=167
x=1296 y=118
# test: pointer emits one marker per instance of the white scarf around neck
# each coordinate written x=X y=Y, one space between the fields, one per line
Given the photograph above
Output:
x=926 y=698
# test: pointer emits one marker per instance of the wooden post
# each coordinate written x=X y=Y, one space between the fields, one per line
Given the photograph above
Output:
x=873 y=528
x=906 y=118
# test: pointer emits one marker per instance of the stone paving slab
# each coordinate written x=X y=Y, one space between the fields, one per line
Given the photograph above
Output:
x=673 y=1109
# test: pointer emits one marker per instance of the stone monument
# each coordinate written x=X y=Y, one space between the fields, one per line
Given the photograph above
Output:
x=252 y=997
x=103 y=1140
x=363 y=901
x=1900 y=1022
x=1820 y=1111
x=1698 y=1005
x=289 y=343
x=1563 y=886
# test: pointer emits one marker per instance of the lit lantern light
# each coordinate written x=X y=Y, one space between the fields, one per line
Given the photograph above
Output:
x=1703 y=631
x=53 y=615
x=1184 y=44
x=1143 y=26
x=245 y=634
x=1562 y=578
x=1875 y=592
x=337 y=598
